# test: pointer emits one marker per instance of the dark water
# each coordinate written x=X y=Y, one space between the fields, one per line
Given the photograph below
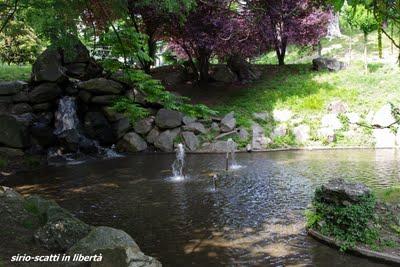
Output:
x=254 y=217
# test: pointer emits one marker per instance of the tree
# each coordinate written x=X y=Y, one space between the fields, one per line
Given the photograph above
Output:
x=290 y=22
x=365 y=21
x=205 y=33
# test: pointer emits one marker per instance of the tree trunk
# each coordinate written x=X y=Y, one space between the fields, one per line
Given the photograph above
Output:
x=281 y=52
x=151 y=52
x=203 y=68
x=365 y=53
x=319 y=49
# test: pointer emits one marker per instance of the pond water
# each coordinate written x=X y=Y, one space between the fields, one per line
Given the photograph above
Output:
x=253 y=218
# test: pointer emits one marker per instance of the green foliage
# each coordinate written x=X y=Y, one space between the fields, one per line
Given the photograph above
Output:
x=130 y=108
x=19 y=44
x=155 y=92
x=350 y=224
x=31 y=161
x=361 y=18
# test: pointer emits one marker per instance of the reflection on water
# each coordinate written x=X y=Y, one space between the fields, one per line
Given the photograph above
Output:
x=254 y=217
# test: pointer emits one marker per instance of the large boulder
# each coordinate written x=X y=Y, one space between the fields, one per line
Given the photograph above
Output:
x=165 y=140
x=98 y=127
x=384 y=138
x=116 y=247
x=21 y=108
x=12 y=88
x=43 y=134
x=302 y=133
x=384 y=117
x=44 y=92
x=152 y=135
x=218 y=147
x=144 y=126
x=75 y=51
x=132 y=142
x=167 y=119
x=191 y=140
x=329 y=64
x=196 y=127
x=279 y=131
x=243 y=70
x=48 y=67
x=228 y=123
x=337 y=107
x=104 y=100
x=121 y=127
x=259 y=141
x=338 y=191
x=101 y=86
x=13 y=132
x=222 y=73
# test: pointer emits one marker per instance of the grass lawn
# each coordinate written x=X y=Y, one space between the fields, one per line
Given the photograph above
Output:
x=14 y=72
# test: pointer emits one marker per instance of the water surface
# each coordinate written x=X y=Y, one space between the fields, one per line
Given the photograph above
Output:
x=253 y=218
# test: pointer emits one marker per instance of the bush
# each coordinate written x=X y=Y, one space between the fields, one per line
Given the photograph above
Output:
x=349 y=224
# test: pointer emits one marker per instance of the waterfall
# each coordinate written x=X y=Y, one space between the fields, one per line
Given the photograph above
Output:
x=177 y=166
x=66 y=117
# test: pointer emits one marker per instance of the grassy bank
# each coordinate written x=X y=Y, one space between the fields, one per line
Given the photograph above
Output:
x=14 y=72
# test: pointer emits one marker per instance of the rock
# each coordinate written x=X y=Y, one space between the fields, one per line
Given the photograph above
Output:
x=112 y=115
x=11 y=152
x=105 y=100
x=21 y=108
x=165 y=141
x=327 y=134
x=243 y=70
x=13 y=132
x=152 y=136
x=85 y=96
x=43 y=134
x=121 y=127
x=353 y=117
x=222 y=73
x=243 y=134
x=6 y=99
x=384 y=117
x=191 y=140
x=329 y=64
x=187 y=120
x=228 y=123
x=44 y=92
x=249 y=148
x=22 y=96
x=76 y=70
x=132 y=142
x=93 y=70
x=338 y=191
x=384 y=138
x=167 y=119
x=282 y=115
x=144 y=126
x=337 y=107
x=97 y=127
x=279 y=131
x=215 y=127
x=48 y=67
x=61 y=233
x=75 y=51
x=12 y=88
x=195 y=127
x=218 y=146
x=302 y=133
x=101 y=86
x=331 y=121
x=259 y=141
x=71 y=90
x=42 y=107
x=116 y=247
x=261 y=116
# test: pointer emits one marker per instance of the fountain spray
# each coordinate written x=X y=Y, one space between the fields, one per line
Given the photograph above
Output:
x=177 y=166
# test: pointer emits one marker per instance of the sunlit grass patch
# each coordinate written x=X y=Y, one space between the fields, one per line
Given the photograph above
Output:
x=14 y=72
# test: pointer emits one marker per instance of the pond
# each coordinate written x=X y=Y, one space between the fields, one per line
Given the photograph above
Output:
x=253 y=218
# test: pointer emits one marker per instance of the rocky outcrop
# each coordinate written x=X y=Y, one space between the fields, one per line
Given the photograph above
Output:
x=116 y=246
x=132 y=142
x=338 y=191
x=13 y=132
x=190 y=140
x=165 y=140
x=101 y=86
x=228 y=123
x=48 y=67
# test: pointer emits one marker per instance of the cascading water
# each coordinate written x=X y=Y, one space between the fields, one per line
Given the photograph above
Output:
x=230 y=155
x=177 y=166
x=66 y=117
x=67 y=123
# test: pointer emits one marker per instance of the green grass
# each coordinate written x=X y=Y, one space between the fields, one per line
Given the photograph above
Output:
x=14 y=72
x=307 y=93
x=389 y=195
